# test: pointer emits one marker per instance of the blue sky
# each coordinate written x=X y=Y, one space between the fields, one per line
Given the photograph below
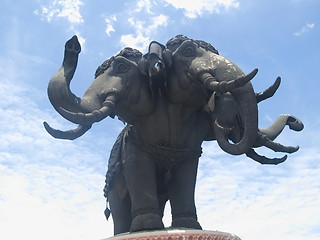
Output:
x=53 y=188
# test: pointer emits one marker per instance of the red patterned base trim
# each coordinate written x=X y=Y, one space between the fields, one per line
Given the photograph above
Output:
x=176 y=234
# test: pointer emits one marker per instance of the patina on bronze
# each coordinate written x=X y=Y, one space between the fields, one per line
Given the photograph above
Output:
x=172 y=98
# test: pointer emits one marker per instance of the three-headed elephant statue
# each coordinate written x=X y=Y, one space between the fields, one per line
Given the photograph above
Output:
x=172 y=98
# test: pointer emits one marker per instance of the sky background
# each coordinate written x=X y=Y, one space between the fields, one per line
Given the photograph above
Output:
x=52 y=189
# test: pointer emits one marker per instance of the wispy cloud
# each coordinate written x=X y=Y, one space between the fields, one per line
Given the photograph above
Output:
x=64 y=202
x=109 y=22
x=137 y=41
x=42 y=182
x=238 y=195
x=53 y=188
x=144 y=24
x=306 y=28
x=194 y=9
x=144 y=4
x=148 y=17
x=69 y=9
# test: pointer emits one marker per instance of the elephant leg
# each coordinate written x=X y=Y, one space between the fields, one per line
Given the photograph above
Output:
x=181 y=189
x=120 y=205
x=140 y=174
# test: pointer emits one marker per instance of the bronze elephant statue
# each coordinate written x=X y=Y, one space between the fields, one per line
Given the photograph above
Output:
x=172 y=98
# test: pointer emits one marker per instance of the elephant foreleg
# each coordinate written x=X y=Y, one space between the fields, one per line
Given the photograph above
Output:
x=181 y=189
x=140 y=174
x=120 y=205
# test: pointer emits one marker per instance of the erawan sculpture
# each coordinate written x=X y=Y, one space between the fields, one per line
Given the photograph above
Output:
x=172 y=98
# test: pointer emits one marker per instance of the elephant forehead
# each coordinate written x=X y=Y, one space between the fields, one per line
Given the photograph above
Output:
x=112 y=79
x=211 y=61
x=120 y=71
x=206 y=61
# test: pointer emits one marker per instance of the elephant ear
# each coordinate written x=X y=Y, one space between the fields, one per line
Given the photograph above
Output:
x=143 y=66
x=167 y=58
x=182 y=58
x=122 y=64
x=212 y=102
x=187 y=49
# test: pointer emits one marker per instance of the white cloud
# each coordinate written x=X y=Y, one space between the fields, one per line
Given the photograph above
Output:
x=197 y=8
x=144 y=30
x=69 y=9
x=308 y=27
x=41 y=200
x=158 y=21
x=53 y=189
x=237 y=195
x=109 y=22
x=48 y=187
x=144 y=4
x=143 y=20
x=137 y=41
x=82 y=41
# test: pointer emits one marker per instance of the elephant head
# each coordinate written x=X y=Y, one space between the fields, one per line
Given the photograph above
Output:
x=120 y=88
x=227 y=111
x=196 y=66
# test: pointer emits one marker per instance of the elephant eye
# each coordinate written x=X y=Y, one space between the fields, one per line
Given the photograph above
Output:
x=122 y=68
x=188 y=52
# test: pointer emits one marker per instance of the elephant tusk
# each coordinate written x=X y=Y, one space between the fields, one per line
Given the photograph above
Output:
x=277 y=147
x=86 y=118
x=89 y=118
x=225 y=86
x=68 y=135
x=269 y=92
x=264 y=160
x=263 y=140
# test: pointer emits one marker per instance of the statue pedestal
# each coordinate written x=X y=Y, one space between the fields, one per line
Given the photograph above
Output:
x=176 y=234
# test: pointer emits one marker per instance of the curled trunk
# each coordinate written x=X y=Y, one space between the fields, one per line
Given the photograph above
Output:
x=59 y=92
x=243 y=92
x=84 y=111
x=68 y=104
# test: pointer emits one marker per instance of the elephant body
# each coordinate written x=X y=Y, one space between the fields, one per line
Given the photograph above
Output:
x=172 y=99
x=162 y=150
x=167 y=164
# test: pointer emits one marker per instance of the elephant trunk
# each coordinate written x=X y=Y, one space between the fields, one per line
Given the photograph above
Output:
x=65 y=102
x=278 y=125
x=59 y=86
x=243 y=92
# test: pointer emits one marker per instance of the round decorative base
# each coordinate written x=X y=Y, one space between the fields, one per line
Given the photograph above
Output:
x=176 y=234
